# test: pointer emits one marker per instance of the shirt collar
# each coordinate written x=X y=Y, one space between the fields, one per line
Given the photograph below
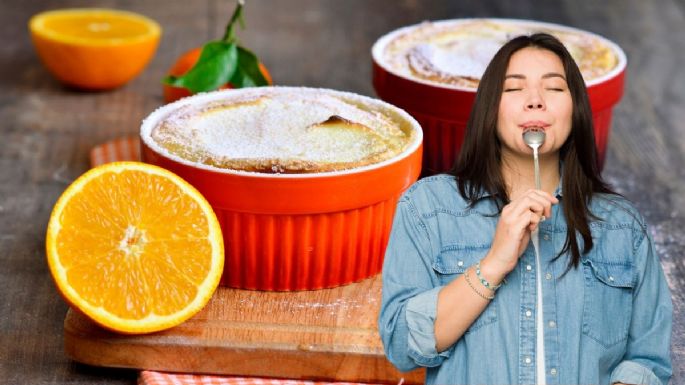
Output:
x=558 y=192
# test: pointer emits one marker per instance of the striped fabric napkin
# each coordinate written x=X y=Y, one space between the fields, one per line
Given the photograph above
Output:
x=128 y=149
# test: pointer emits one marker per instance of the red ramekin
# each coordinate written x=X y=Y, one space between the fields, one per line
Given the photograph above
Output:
x=287 y=232
x=443 y=110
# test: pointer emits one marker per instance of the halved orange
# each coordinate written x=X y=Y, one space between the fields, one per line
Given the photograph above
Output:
x=94 y=48
x=134 y=247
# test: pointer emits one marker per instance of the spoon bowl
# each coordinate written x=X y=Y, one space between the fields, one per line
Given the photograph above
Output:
x=534 y=138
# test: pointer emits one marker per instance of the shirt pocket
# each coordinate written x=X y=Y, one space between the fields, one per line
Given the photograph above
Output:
x=608 y=302
x=453 y=262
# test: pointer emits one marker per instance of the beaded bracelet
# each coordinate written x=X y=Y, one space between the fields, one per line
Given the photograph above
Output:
x=485 y=281
x=468 y=280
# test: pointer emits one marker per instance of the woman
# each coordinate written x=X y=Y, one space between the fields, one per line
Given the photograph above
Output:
x=459 y=278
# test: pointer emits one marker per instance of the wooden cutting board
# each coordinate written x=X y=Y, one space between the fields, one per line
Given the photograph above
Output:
x=328 y=334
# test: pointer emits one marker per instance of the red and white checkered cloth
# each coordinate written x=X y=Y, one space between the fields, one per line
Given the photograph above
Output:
x=129 y=149
x=116 y=150
x=158 y=378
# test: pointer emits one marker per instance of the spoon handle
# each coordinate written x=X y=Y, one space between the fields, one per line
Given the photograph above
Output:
x=538 y=185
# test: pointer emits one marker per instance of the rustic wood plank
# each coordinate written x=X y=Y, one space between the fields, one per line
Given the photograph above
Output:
x=325 y=334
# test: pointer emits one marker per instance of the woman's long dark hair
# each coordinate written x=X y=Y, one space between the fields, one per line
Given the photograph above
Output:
x=478 y=167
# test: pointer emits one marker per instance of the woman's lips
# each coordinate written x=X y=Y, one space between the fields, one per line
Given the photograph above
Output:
x=534 y=125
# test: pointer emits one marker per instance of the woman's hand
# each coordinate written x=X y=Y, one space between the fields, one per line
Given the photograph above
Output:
x=519 y=218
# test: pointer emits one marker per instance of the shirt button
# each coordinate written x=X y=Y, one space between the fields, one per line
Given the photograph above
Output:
x=548 y=276
x=545 y=237
x=460 y=263
x=529 y=267
x=528 y=360
x=528 y=313
x=611 y=278
x=552 y=324
x=553 y=372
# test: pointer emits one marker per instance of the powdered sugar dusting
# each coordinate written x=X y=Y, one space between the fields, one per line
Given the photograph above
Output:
x=467 y=58
x=456 y=52
x=283 y=130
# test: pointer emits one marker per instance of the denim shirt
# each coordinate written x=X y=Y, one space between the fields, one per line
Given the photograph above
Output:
x=609 y=320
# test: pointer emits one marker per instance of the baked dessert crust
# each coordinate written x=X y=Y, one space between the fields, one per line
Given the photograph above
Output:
x=284 y=131
x=427 y=52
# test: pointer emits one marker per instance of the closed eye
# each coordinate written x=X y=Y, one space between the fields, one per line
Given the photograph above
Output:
x=512 y=89
x=556 y=89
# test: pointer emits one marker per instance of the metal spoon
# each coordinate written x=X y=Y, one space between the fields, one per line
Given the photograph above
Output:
x=534 y=139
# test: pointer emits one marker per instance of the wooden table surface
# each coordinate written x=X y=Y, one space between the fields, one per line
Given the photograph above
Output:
x=46 y=130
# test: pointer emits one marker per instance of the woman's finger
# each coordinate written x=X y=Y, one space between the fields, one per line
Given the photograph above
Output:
x=527 y=215
x=540 y=197
x=534 y=221
x=530 y=203
x=545 y=204
x=550 y=199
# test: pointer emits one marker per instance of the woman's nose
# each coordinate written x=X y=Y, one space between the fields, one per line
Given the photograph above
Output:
x=535 y=101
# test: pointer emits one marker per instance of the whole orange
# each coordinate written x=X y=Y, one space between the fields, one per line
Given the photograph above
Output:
x=184 y=64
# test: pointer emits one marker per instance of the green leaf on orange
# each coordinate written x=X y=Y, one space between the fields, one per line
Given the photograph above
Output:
x=248 y=73
x=216 y=66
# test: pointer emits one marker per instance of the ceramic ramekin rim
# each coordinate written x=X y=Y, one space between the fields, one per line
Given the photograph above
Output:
x=149 y=123
x=382 y=42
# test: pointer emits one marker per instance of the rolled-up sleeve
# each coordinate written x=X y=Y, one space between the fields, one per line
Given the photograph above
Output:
x=628 y=372
x=647 y=359
x=410 y=290
x=421 y=313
